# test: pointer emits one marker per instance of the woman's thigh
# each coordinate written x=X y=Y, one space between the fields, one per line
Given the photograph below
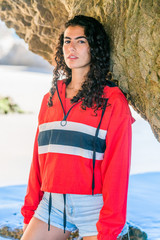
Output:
x=38 y=230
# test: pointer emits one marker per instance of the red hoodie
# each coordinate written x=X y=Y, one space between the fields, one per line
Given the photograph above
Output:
x=64 y=149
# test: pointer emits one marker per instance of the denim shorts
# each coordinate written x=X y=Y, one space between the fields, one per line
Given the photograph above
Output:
x=82 y=212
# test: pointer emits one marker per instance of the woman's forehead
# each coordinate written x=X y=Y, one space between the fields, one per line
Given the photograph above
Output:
x=74 y=32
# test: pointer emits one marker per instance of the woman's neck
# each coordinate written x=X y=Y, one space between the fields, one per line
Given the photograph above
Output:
x=73 y=87
x=78 y=78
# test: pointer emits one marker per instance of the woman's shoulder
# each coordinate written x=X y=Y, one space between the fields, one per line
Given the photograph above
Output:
x=45 y=98
x=47 y=95
x=116 y=99
x=114 y=93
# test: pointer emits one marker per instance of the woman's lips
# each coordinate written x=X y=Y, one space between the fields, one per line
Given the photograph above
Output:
x=72 y=57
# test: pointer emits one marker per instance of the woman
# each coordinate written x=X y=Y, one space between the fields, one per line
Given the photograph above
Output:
x=81 y=161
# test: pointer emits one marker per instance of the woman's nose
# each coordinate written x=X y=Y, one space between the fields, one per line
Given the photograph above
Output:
x=72 y=46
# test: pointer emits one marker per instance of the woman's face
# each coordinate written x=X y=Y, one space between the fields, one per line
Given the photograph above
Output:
x=76 y=49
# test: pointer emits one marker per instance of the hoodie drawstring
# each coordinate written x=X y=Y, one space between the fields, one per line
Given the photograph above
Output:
x=64 y=213
x=94 y=147
x=49 y=210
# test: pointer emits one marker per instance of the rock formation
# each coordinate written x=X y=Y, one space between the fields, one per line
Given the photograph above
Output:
x=134 y=233
x=134 y=29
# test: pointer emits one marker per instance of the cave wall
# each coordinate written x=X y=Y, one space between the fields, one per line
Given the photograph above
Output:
x=134 y=29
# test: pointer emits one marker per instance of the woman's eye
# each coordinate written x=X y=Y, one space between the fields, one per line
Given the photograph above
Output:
x=81 y=41
x=67 y=41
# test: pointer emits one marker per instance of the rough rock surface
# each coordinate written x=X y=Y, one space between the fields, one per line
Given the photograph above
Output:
x=134 y=234
x=134 y=28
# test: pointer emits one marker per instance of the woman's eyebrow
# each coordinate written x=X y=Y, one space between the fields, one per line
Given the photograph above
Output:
x=76 y=37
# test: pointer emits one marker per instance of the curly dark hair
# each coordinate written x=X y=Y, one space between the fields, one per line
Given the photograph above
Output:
x=99 y=76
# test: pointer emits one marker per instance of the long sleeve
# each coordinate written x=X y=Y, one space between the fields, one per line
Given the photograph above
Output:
x=33 y=194
x=115 y=171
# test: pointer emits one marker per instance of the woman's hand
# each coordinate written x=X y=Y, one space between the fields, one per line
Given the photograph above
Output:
x=24 y=227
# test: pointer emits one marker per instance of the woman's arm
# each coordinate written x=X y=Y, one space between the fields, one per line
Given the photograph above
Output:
x=33 y=194
x=115 y=171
